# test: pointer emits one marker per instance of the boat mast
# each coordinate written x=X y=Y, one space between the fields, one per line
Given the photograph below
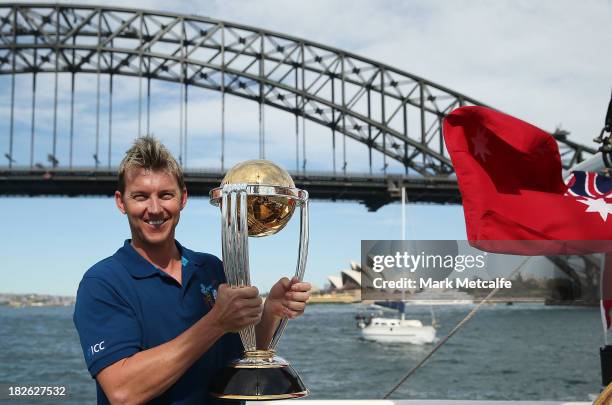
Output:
x=403 y=304
x=403 y=212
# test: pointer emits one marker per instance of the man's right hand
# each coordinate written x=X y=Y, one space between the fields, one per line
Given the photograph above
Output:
x=236 y=308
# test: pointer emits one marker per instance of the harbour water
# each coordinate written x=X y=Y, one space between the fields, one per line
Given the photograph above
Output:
x=519 y=352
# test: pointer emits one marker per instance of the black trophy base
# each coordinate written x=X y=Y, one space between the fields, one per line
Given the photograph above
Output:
x=259 y=376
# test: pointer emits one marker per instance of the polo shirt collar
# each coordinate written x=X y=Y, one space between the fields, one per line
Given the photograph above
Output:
x=139 y=267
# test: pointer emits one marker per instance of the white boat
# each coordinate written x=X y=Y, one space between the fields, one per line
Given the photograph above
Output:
x=393 y=330
x=389 y=330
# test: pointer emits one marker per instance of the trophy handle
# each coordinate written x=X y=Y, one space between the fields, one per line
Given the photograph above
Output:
x=300 y=267
x=235 y=245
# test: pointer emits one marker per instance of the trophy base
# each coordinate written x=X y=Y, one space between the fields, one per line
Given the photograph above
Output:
x=260 y=375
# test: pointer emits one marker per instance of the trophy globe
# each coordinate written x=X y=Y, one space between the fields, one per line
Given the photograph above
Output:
x=266 y=215
x=257 y=198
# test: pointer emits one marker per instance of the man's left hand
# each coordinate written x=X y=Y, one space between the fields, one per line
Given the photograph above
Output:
x=287 y=298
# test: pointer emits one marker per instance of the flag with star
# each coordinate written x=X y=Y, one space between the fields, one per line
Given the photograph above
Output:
x=510 y=178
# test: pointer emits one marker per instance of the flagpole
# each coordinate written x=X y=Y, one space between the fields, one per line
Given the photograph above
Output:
x=605 y=352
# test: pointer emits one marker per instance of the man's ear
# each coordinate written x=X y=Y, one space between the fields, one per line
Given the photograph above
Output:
x=119 y=201
x=184 y=198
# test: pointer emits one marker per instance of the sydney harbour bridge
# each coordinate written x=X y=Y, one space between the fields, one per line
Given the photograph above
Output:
x=47 y=50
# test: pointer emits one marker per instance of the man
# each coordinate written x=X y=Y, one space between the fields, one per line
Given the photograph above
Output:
x=156 y=320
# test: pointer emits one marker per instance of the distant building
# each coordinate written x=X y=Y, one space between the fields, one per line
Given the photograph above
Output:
x=335 y=282
x=349 y=279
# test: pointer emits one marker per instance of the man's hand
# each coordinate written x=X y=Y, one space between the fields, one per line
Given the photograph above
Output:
x=236 y=308
x=287 y=298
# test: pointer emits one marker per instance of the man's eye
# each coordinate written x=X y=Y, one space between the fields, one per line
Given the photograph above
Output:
x=167 y=196
x=139 y=197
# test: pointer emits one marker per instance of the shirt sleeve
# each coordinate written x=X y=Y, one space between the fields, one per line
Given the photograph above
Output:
x=108 y=328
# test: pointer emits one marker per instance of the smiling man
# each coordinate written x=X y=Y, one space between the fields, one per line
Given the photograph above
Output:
x=156 y=320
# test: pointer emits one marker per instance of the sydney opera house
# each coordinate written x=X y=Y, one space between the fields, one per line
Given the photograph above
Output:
x=343 y=288
x=348 y=280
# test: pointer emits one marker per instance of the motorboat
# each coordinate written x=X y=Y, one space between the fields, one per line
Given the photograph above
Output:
x=377 y=328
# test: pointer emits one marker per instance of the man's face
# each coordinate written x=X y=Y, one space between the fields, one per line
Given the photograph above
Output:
x=152 y=202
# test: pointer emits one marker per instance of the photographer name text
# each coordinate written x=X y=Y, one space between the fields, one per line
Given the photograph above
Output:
x=409 y=283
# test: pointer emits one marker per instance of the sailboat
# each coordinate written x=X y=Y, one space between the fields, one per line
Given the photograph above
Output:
x=378 y=328
x=390 y=330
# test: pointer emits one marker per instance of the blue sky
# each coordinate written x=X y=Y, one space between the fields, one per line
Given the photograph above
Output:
x=544 y=62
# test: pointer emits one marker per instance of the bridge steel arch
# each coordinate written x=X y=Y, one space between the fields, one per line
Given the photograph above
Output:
x=390 y=111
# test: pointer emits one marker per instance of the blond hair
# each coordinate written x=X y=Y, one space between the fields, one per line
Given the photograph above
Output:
x=150 y=154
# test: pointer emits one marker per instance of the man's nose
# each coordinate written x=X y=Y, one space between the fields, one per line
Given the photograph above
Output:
x=154 y=205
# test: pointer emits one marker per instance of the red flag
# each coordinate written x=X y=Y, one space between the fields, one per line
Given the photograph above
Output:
x=509 y=175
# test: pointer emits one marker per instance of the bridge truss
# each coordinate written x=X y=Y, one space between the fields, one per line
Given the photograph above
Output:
x=390 y=112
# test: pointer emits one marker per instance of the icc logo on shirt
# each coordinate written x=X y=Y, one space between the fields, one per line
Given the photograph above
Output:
x=98 y=347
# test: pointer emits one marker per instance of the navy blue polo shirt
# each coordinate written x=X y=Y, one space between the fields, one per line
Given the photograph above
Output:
x=126 y=305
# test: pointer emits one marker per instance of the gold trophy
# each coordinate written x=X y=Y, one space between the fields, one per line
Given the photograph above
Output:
x=257 y=198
